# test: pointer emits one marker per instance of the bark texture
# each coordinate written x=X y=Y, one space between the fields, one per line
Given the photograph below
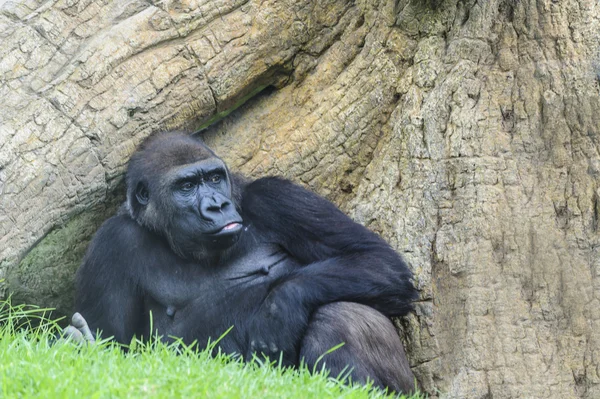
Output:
x=465 y=132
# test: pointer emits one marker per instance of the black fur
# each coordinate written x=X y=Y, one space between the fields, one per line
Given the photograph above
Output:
x=297 y=274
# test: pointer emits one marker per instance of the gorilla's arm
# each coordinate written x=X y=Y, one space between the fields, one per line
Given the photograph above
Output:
x=344 y=261
x=107 y=296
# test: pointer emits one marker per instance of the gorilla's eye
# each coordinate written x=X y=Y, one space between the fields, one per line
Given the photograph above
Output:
x=141 y=193
x=215 y=178
x=186 y=186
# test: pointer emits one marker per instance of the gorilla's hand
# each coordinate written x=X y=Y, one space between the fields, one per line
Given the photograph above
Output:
x=278 y=326
x=78 y=331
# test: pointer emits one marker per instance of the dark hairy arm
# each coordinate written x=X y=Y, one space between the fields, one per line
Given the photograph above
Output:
x=106 y=293
x=344 y=261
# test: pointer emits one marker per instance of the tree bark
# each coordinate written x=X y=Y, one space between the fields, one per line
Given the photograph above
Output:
x=465 y=132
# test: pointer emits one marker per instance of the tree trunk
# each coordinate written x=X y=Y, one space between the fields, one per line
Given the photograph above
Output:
x=465 y=132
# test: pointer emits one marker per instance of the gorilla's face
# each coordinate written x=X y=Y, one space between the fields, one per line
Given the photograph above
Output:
x=202 y=211
x=182 y=191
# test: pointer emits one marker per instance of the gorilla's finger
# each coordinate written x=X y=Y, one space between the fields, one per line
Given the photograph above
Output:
x=72 y=333
x=79 y=322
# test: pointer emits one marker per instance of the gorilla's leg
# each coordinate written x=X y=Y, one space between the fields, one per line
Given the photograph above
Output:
x=78 y=331
x=372 y=348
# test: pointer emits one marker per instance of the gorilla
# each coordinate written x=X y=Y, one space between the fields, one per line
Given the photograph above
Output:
x=196 y=250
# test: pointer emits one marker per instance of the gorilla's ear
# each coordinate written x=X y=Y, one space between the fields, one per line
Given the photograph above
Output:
x=141 y=193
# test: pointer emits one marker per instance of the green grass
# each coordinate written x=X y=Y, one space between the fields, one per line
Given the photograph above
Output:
x=31 y=366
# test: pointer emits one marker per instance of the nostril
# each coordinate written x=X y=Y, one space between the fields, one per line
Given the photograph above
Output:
x=218 y=207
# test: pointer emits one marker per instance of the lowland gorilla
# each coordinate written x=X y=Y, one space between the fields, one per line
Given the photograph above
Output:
x=203 y=250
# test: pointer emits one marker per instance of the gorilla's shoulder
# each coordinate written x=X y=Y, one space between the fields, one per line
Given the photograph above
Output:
x=121 y=223
x=267 y=182
x=277 y=194
x=121 y=229
x=274 y=187
x=118 y=245
x=271 y=195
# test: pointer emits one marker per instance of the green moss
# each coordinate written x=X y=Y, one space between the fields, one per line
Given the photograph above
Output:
x=45 y=276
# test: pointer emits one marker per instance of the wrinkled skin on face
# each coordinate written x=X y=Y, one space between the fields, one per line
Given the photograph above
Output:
x=190 y=203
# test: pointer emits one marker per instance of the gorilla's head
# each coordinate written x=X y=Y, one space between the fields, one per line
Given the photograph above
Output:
x=178 y=188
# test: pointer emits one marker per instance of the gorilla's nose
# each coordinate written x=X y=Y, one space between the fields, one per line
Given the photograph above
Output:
x=213 y=207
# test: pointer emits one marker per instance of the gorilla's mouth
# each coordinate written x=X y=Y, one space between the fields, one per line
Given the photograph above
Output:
x=229 y=228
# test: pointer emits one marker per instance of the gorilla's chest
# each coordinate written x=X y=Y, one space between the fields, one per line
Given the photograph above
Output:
x=176 y=287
